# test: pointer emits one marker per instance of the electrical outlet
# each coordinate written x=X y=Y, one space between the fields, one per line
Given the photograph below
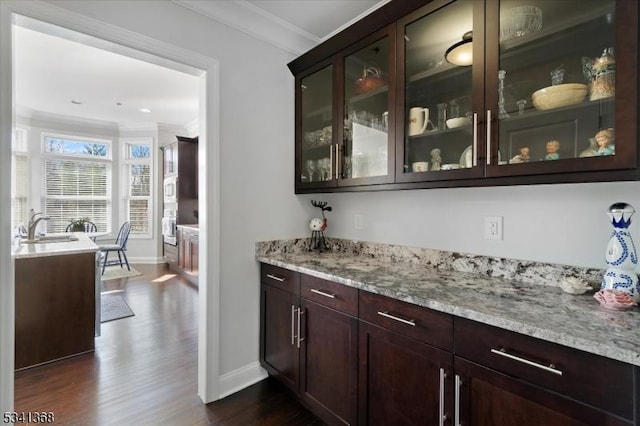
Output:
x=358 y=221
x=493 y=227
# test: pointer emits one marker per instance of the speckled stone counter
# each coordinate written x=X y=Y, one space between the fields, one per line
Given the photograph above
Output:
x=510 y=294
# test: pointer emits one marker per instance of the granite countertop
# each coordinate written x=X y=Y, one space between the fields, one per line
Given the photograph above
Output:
x=84 y=244
x=541 y=311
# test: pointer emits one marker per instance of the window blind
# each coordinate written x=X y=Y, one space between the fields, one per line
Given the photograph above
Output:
x=19 y=191
x=77 y=189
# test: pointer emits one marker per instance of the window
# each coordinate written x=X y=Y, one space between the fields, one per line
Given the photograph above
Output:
x=137 y=161
x=19 y=187
x=77 y=181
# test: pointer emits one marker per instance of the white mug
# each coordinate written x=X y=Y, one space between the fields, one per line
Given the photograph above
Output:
x=419 y=121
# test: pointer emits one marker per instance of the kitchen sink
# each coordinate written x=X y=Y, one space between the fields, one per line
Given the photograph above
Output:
x=50 y=239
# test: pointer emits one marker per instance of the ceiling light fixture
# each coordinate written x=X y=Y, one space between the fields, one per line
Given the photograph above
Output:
x=73 y=101
x=145 y=110
x=461 y=53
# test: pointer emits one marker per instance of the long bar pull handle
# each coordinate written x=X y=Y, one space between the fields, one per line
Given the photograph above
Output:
x=293 y=322
x=300 y=313
x=395 y=318
x=442 y=416
x=276 y=278
x=456 y=402
x=338 y=162
x=551 y=368
x=488 y=137
x=475 y=139
x=322 y=293
x=330 y=163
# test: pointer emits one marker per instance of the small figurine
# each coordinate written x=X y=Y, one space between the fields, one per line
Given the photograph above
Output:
x=436 y=160
x=523 y=157
x=592 y=151
x=318 y=226
x=552 y=150
x=606 y=142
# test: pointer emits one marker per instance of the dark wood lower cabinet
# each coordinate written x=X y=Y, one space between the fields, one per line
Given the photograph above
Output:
x=329 y=363
x=490 y=398
x=402 y=381
x=278 y=352
x=55 y=307
x=354 y=357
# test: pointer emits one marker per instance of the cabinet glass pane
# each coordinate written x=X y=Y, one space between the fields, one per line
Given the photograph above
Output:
x=556 y=80
x=316 y=118
x=438 y=102
x=366 y=102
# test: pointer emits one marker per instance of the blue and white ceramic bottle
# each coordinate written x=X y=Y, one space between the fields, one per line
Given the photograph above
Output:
x=621 y=256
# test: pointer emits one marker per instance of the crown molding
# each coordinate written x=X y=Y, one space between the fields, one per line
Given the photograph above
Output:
x=168 y=128
x=255 y=22
x=138 y=127
x=356 y=19
x=33 y=116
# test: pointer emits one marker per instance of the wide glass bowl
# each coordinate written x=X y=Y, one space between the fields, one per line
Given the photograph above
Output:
x=520 y=21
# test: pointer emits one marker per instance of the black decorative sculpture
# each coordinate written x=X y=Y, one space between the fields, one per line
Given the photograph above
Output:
x=318 y=226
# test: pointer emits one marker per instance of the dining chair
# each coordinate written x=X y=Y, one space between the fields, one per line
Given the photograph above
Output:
x=88 y=227
x=119 y=247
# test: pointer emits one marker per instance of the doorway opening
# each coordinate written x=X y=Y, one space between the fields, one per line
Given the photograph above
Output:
x=206 y=69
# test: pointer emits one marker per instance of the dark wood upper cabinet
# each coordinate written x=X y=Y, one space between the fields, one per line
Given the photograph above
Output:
x=550 y=95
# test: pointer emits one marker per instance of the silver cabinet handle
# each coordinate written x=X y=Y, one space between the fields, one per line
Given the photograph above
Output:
x=551 y=368
x=273 y=277
x=442 y=415
x=456 y=402
x=293 y=321
x=331 y=163
x=475 y=139
x=322 y=293
x=338 y=162
x=395 y=318
x=300 y=313
x=488 y=137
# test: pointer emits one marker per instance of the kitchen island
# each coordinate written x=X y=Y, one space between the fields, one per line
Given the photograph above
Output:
x=56 y=299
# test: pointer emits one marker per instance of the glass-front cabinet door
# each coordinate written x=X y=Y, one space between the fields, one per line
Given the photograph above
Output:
x=558 y=84
x=367 y=150
x=315 y=153
x=440 y=57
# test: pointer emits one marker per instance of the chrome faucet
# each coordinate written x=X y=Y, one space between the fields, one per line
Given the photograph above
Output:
x=33 y=223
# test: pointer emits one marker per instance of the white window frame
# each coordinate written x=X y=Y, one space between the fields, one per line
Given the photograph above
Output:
x=108 y=159
x=19 y=148
x=126 y=196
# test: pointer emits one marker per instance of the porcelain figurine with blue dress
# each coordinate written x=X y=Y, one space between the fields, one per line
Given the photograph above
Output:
x=621 y=256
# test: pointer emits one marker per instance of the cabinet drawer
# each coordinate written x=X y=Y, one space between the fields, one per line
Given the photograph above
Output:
x=279 y=277
x=328 y=293
x=598 y=381
x=423 y=324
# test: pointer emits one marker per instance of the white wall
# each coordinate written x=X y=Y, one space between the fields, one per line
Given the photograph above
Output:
x=565 y=224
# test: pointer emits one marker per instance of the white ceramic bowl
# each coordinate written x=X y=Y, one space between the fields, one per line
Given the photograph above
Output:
x=558 y=96
x=452 y=123
x=451 y=166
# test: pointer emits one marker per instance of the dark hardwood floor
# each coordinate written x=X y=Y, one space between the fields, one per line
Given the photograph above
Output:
x=143 y=371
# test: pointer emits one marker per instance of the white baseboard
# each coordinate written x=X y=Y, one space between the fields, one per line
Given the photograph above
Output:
x=147 y=260
x=241 y=378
